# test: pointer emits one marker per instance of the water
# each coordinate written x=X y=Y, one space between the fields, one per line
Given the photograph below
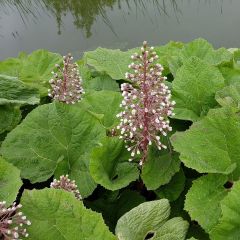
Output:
x=80 y=25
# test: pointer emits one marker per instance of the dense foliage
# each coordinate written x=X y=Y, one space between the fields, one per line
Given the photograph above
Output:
x=188 y=190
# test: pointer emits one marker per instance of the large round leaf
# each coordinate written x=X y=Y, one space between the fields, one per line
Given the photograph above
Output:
x=194 y=88
x=55 y=138
x=109 y=164
x=56 y=214
x=202 y=49
x=212 y=144
x=10 y=182
x=151 y=217
x=203 y=200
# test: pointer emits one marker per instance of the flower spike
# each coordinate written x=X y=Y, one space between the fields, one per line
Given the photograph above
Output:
x=12 y=222
x=66 y=84
x=147 y=106
x=66 y=184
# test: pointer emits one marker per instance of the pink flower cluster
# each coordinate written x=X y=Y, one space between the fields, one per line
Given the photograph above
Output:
x=66 y=84
x=66 y=184
x=146 y=105
x=12 y=222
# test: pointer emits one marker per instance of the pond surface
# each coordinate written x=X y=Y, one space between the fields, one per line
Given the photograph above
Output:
x=79 y=25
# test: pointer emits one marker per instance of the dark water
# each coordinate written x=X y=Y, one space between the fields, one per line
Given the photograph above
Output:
x=80 y=25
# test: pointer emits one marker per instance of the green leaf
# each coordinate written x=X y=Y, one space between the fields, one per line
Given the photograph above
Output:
x=151 y=217
x=202 y=49
x=174 y=64
x=101 y=82
x=203 y=200
x=12 y=66
x=217 y=136
x=109 y=165
x=55 y=138
x=97 y=81
x=112 y=62
x=9 y=117
x=167 y=51
x=104 y=103
x=194 y=89
x=56 y=214
x=236 y=59
x=229 y=224
x=10 y=182
x=15 y=92
x=230 y=95
x=230 y=75
x=37 y=67
x=159 y=168
x=174 y=188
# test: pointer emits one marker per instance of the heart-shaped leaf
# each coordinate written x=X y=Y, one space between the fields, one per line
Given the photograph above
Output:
x=55 y=138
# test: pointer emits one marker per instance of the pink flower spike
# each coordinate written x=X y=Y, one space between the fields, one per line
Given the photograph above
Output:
x=147 y=106
x=66 y=184
x=66 y=84
x=12 y=222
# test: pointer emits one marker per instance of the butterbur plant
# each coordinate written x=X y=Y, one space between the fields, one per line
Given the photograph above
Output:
x=12 y=222
x=66 y=84
x=146 y=105
x=113 y=198
x=68 y=185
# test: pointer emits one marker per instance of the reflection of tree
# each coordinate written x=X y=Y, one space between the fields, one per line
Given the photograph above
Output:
x=27 y=9
x=83 y=11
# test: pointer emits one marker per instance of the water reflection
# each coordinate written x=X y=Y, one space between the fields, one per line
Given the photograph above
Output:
x=84 y=12
x=82 y=25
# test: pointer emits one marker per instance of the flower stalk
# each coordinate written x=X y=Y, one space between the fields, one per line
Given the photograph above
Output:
x=12 y=222
x=66 y=84
x=66 y=184
x=146 y=106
